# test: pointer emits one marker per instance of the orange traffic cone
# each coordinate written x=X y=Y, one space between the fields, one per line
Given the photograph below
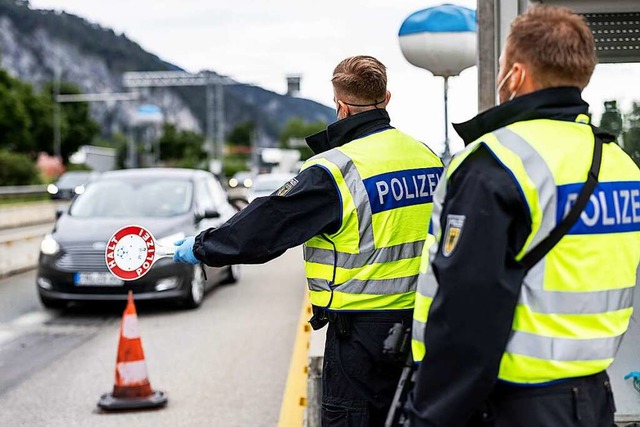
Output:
x=132 y=389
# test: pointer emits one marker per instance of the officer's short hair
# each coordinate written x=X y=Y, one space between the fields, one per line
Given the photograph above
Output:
x=361 y=79
x=556 y=43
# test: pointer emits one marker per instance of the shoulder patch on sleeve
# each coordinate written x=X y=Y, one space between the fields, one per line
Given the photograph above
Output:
x=452 y=232
x=286 y=188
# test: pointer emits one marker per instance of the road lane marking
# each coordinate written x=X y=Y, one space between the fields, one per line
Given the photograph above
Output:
x=32 y=318
x=40 y=322
x=294 y=399
x=6 y=336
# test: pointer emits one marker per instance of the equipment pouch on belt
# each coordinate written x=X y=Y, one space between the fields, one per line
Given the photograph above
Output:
x=340 y=321
x=396 y=346
x=319 y=318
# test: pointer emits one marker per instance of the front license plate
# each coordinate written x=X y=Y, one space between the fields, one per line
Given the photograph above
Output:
x=96 y=279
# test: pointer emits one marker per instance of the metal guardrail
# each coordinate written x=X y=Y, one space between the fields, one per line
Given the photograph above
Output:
x=23 y=190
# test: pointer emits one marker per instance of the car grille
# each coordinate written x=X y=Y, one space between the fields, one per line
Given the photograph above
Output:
x=81 y=257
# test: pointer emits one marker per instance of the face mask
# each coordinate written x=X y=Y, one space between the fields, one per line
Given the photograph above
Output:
x=504 y=80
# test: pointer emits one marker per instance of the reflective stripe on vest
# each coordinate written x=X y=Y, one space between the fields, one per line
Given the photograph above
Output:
x=427 y=283
x=425 y=292
x=576 y=303
x=385 y=181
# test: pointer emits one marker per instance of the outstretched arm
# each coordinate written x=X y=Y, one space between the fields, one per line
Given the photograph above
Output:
x=270 y=225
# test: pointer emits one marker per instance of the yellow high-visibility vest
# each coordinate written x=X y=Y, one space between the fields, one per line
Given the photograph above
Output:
x=386 y=182
x=576 y=303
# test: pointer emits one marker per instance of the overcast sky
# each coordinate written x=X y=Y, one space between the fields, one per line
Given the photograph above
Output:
x=260 y=42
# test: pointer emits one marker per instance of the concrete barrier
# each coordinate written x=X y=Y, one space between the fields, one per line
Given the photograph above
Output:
x=13 y=216
x=20 y=248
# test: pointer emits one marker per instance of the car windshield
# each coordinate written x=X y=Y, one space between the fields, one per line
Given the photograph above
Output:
x=241 y=176
x=134 y=198
x=270 y=184
x=73 y=179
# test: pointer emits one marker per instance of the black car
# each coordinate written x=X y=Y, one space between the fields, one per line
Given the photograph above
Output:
x=171 y=203
x=70 y=184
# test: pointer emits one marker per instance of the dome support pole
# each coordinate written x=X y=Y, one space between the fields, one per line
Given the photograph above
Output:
x=446 y=155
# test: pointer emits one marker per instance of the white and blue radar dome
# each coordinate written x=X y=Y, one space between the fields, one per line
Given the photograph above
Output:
x=441 y=39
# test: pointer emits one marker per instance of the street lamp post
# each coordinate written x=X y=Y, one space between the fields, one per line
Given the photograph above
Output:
x=56 y=114
x=77 y=97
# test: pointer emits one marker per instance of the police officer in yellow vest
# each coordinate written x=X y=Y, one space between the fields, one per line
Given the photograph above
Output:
x=505 y=345
x=361 y=207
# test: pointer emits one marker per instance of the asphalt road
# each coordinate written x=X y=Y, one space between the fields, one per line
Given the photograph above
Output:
x=224 y=364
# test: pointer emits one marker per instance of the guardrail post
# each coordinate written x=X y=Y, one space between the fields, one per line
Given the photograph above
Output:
x=314 y=392
x=313 y=415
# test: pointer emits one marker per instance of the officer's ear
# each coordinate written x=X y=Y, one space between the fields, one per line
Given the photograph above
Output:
x=518 y=75
x=387 y=98
x=343 y=110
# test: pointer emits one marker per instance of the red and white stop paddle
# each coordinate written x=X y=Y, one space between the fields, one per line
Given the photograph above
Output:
x=131 y=252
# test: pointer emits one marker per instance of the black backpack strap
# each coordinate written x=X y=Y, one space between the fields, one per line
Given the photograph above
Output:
x=542 y=248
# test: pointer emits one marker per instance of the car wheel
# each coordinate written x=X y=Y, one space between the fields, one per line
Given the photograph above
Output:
x=53 y=304
x=195 y=293
x=233 y=275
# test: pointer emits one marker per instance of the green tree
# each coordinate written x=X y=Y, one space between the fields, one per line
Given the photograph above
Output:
x=295 y=131
x=15 y=120
x=17 y=169
x=242 y=135
x=26 y=119
x=631 y=137
x=239 y=148
x=77 y=128
x=182 y=148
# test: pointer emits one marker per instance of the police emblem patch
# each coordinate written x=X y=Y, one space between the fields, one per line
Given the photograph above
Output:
x=286 y=188
x=452 y=233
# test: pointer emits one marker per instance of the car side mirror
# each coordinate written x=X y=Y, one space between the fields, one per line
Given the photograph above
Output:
x=207 y=214
x=60 y=211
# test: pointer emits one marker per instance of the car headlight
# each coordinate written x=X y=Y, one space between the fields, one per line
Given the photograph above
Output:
x=233 y=183
x=49 y=246
x=168 y=242
x=248 y=182
x=79 y=189
x=52 y=189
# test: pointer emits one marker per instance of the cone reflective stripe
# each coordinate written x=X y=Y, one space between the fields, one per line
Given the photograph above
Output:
x=131 y=389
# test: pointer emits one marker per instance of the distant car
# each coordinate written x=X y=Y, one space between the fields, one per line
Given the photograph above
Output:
x=70 y=184
x=171 y=203
x=266 y=184
x=241 y=179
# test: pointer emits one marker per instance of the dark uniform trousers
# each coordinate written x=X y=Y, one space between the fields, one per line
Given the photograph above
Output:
x=358 y=383
x=577 y=402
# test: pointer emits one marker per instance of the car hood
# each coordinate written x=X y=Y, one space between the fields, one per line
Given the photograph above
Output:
x=74 y=229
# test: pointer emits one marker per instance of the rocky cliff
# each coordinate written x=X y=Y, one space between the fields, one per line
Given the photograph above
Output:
x=37 y=44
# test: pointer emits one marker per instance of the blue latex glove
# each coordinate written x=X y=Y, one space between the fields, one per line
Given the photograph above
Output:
x=184 y=251
x=636 y=379
x=633 y=374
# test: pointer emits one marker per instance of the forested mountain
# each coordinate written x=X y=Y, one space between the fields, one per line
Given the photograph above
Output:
x=35 y=43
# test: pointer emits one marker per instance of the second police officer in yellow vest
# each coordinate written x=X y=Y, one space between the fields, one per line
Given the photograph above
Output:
x=500 y=345
x=361 y=207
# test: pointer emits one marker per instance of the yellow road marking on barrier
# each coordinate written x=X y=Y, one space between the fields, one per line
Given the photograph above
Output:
x=294 y=399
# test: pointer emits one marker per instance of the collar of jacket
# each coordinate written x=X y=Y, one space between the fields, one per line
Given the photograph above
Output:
x=557 y=103
x=349 y=129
